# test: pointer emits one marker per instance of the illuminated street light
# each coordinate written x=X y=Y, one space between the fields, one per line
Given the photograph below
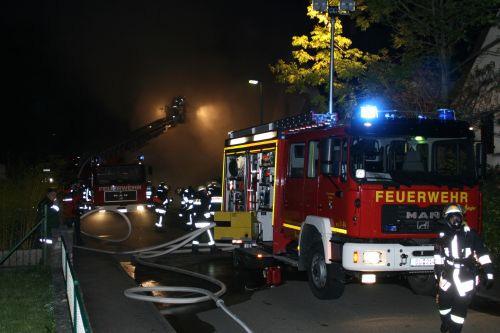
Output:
x=259 y=83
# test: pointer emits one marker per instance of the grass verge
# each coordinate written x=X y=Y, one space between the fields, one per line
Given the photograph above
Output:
x=26 y=300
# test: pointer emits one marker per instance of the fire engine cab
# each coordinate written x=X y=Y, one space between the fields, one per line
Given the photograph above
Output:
x=358 y=198
x=120 y=186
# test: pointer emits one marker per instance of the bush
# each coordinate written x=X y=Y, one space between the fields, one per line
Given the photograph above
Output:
x=18 y=200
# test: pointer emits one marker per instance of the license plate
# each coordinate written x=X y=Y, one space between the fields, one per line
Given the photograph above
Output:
x=428 y=261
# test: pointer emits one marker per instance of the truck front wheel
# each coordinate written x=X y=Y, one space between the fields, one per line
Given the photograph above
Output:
x=325 y=281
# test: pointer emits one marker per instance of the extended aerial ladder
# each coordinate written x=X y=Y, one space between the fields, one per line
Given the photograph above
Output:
x=174 y=114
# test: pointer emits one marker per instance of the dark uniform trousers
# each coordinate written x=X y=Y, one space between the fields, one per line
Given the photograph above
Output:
x=458 y=255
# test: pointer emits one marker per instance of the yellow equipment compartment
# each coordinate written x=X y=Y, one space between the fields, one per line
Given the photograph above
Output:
x=234 y=225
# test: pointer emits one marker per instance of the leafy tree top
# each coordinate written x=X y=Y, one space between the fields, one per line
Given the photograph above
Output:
x=308 y=71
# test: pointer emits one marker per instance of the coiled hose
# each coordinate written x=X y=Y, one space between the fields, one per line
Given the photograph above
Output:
x=174 y=246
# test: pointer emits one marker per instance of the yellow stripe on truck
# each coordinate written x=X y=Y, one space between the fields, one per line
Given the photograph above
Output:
x=291 y=226
x=339 y=230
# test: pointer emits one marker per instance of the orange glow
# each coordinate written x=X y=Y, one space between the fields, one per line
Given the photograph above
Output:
x=208 y=117
x=153 y=283
x=128 y=268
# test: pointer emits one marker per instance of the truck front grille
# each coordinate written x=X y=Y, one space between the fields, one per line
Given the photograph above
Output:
x=410 y=219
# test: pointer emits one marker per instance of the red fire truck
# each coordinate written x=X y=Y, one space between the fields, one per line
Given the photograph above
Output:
x=119 y=186
x=361 y=198
x=107 y=181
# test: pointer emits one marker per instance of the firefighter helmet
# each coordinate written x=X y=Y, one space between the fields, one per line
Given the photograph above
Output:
x=454 y=215
x=178 y=190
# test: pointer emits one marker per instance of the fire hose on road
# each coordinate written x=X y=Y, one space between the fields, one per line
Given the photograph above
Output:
x=174 y=246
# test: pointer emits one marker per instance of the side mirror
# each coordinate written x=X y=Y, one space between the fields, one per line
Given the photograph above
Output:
x=326 y=156
x=360 y=173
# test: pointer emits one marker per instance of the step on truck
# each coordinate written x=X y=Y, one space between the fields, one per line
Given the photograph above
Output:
x=361 y=198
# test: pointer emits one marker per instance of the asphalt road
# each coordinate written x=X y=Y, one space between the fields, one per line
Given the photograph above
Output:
x=112 y=226
x=377 y=308
x=386 y=307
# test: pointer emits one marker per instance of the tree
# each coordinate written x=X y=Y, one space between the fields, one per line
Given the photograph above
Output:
x=426 y=31
x=406 y=87
x=307 y=73
x=480 y=95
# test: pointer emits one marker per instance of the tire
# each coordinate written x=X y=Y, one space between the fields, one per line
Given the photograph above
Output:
x=325 y=281
x=422 y=284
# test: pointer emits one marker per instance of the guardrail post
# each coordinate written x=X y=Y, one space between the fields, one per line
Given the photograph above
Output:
x=44 y=235
x=75 y=306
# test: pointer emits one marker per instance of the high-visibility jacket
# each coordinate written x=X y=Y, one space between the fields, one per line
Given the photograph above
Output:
x=458 y=253
x=52 y=213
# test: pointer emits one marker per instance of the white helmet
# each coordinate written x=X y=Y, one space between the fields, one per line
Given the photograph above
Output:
x=454 y=215
x=453 y=208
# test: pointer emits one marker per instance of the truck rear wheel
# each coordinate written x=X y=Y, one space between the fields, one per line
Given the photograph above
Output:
x=325 y=281
x=422 y=284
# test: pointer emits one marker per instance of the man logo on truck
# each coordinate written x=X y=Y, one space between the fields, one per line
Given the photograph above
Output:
x=423 y=225
x=423 y=215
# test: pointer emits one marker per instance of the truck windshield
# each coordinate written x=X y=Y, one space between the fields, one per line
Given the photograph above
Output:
x=416 y=159
x=120 y=174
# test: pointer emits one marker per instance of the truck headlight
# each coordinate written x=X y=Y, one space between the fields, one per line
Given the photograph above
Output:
x=140 y=208
x=372 y=257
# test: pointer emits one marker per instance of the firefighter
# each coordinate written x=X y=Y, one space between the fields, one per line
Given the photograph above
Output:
x=78 y=202
x=162 y=192
x=459 y=254
x=49 y=204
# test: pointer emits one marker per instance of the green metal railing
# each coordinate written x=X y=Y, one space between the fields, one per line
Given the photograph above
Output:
x=43 y=224
x=78 y=313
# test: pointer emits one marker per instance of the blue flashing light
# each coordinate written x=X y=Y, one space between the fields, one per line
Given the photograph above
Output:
x=367 y=124
x=140 y=157
x=391 y=228
x=368 y=112
x=446 y=114
x=392 y=114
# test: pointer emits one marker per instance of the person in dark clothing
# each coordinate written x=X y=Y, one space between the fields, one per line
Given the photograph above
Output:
x=49 y=204
x=458 y=256
x=78 y=203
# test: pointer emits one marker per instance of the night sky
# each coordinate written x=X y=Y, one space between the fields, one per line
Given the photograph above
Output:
x=79 y=75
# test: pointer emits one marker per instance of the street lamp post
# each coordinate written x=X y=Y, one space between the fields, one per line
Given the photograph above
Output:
x=344 y=7
x=261 y=98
